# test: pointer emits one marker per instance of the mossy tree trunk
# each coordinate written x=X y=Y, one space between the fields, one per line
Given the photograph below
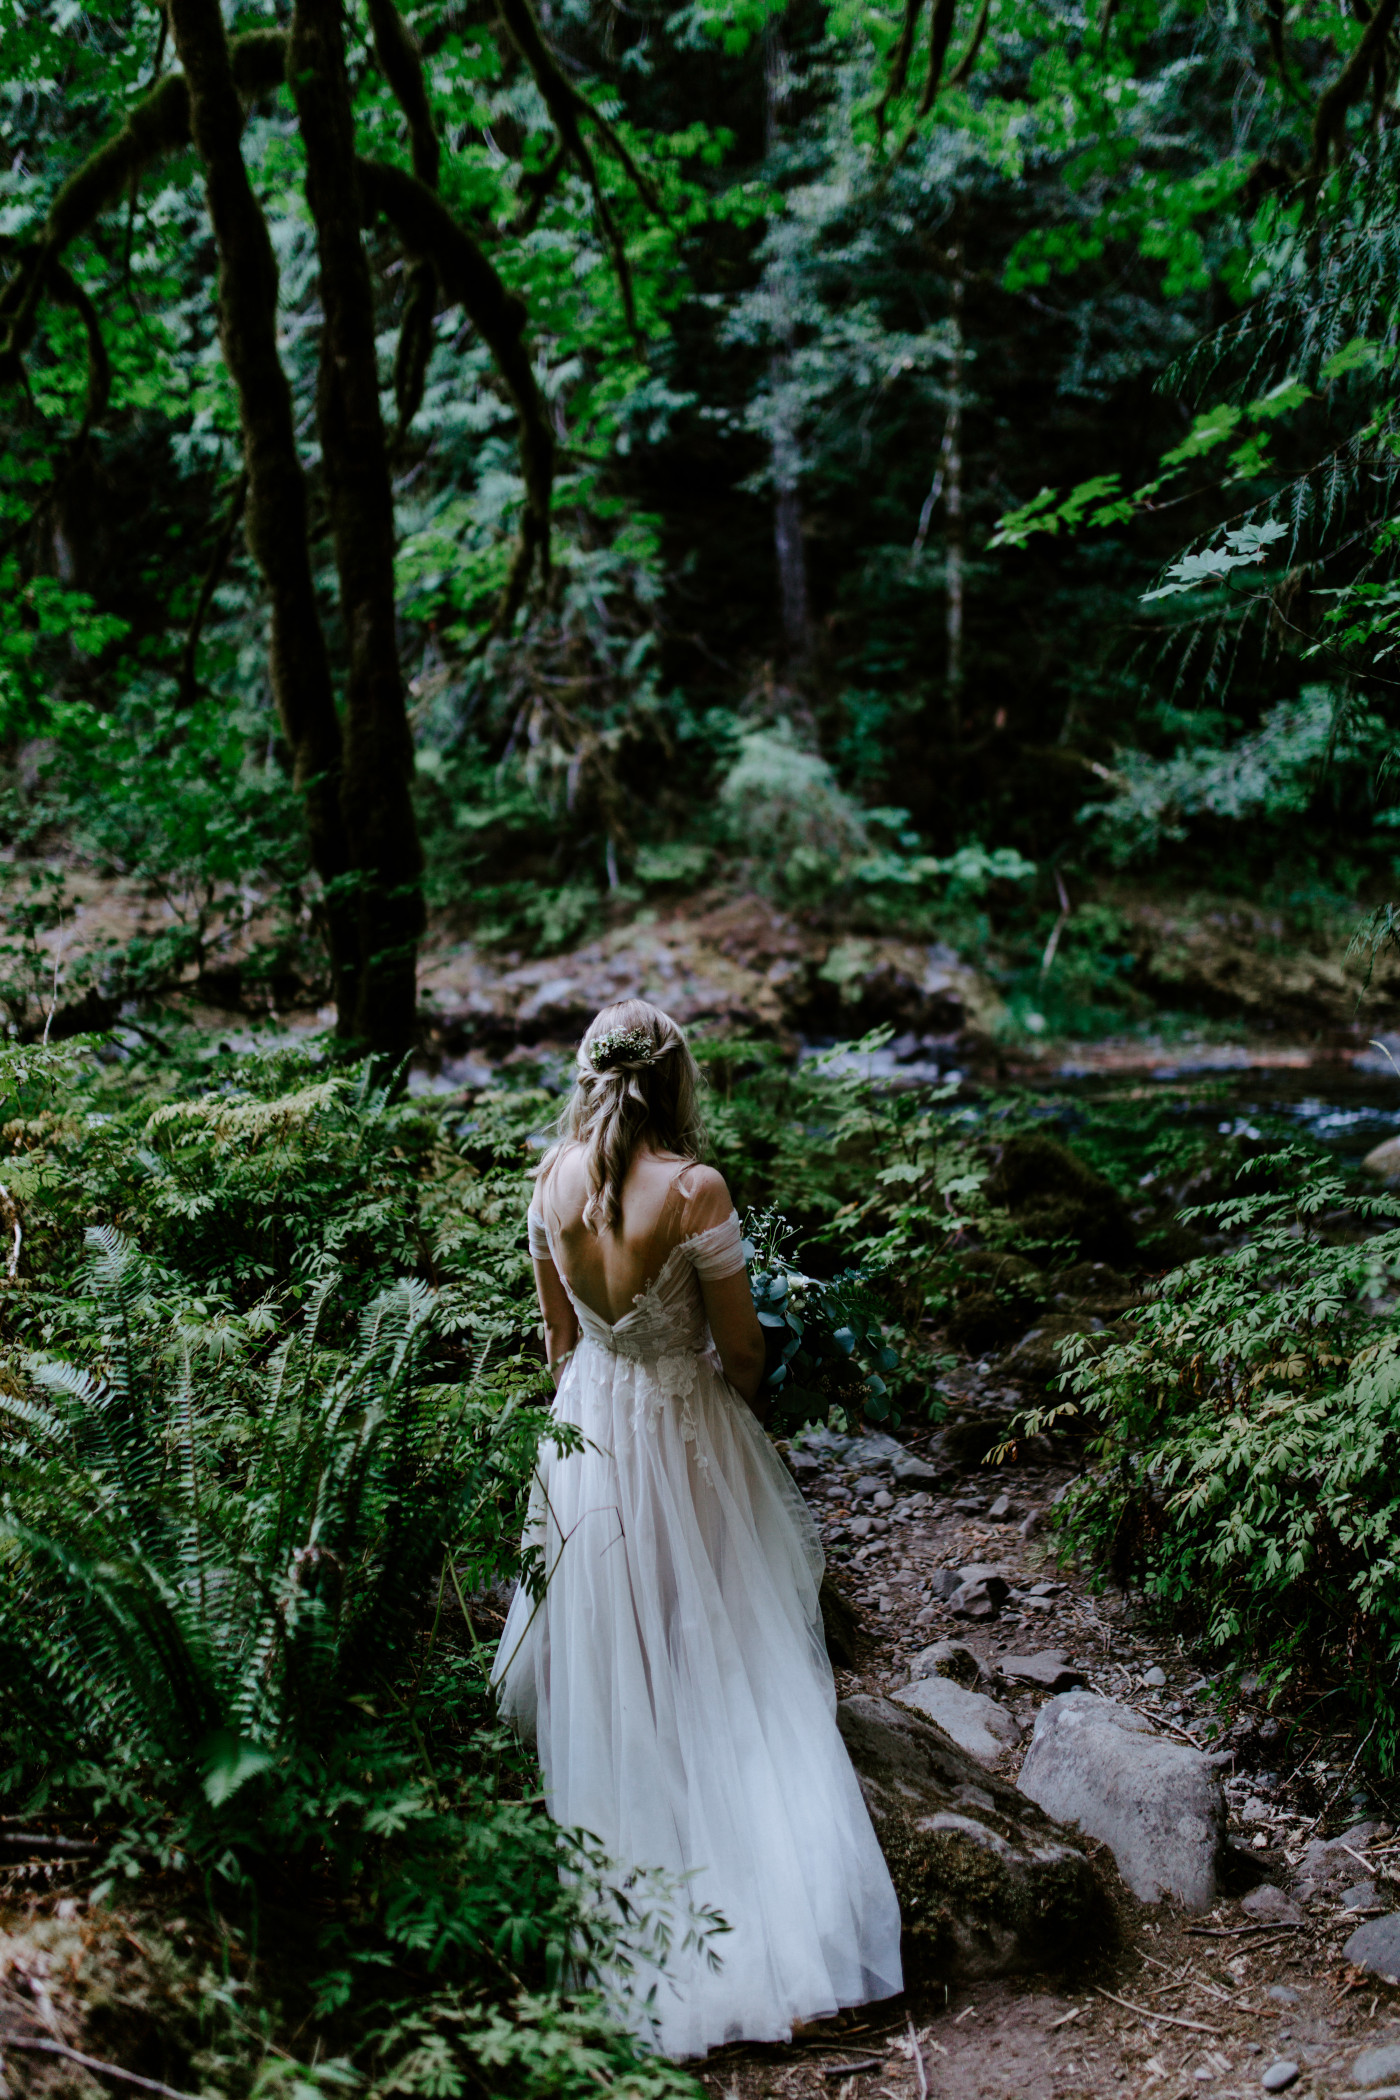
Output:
x=376 y=791
x=276 y=508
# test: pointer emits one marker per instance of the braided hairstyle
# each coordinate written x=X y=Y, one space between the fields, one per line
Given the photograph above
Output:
x=636 y=1080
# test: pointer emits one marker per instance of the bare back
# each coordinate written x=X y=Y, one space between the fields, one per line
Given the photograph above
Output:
x=665 y=1199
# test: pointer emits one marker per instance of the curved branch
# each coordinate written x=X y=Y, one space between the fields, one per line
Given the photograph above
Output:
x=899 y=64
x=940 y=35
x=401 y=63
x=158 y=125
x=962 y=71
x=566 y=105
x=428 y=230
x=1329 y=125
x=189 y=655
x=65 y=289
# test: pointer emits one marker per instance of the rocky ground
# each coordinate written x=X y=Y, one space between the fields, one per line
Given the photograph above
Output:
x=1262 y=1988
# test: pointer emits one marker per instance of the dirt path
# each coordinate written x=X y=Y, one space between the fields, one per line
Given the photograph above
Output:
x=1214 y=2003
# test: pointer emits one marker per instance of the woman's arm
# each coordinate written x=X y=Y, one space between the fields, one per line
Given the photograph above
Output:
x=737 y=1335
x=560 y=1319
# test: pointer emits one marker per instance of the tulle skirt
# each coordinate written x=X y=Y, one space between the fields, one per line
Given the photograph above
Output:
x=676 y=1682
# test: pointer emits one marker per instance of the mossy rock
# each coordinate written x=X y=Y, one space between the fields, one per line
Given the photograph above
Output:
x=995 y=1296
x=987 y=1884
x=1057 y=1200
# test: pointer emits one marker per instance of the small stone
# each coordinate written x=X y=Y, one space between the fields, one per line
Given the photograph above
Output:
x=1254 y=1811
x=1269 y=1902
x=1156 y=1676
x=1375 y=1947
x=1048 y=1672
x=861 y=1527
x=1031 y=1525
x=952 y=1659
x=1001 y=1511
x=978 y=1600
x=1280 y=2076
x=1377 y=2067
x=1283 y=1994
x=803 y=1462
x=911 y=1468
x=944 y=1583
x=867 y=1487
x=1360 y=1896
x=882 y=1499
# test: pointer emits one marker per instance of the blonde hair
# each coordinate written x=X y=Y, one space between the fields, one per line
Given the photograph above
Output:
x=636 y=1079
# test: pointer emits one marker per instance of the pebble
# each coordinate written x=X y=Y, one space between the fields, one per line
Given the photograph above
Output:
x=1375 y=1947
x=882 y=1499
x=861 y=1527
x=1377 y=2067
x=1001 y=1511
x=1280 y=2076
x=1282 y=1994
x=1269 y=1902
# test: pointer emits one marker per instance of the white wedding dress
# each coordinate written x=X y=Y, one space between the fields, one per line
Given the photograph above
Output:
x=676 y=1681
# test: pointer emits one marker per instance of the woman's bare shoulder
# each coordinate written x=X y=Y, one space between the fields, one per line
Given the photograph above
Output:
x=707 y=1197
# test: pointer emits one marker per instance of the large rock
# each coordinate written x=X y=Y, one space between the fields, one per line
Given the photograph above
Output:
x=1375 y=1947
x=1330 y=1865
x=975 y=1722
x=1055 y=1196
x=986 y=1884
x=1157 y=1805
x=1383 y=1161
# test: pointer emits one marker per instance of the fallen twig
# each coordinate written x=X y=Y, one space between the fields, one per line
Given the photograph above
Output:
x=93 y=2063
x=918 y=2062
x=1145 y=2012
x=867 y=2063
x=1236 y=1932
x=1065 y=2018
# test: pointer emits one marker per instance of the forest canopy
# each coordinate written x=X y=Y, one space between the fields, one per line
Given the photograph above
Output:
x=445 y=439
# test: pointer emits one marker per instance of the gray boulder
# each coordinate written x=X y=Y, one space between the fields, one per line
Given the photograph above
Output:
x=1375 y=1947
x=876 y=1451
x=975 y=1722
x=1156 y=1804
x=981 y=1598
x=944 y=1583
x=1377 y=2067
x=986 y=1884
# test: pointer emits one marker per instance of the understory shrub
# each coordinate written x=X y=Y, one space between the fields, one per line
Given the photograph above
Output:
x=1246 y=1440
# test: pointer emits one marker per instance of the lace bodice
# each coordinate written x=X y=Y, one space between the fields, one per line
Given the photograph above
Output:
x=668 y=1317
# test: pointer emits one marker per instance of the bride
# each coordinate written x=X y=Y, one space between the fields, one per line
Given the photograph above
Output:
x=674 y=1673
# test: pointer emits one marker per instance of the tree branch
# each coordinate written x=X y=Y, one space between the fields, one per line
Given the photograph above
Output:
x=188 y=682
x=427 y=228
x=1329 y=124
x=899 y=64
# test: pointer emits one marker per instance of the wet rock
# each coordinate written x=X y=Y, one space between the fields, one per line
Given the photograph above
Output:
x=1377 y=2067
x=951 y=1659
x=1383 y=1161
x=995 y=1296
x=1092 y=1287
x=1039 y=1355
x=965 y=1443
x=1053 y=1195
x=1157 y=1804
x=1268 y=1902
x=975 y=1722
x=1049 y=1671
x=986 y=1885
x=1375 y=1947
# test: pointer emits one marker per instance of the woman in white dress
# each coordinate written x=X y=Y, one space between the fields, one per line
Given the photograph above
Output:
x=673 y=1673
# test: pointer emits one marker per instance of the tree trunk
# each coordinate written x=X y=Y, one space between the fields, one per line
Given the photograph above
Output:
x=955 y=542
x=276 y=506
x=785 y=450
x=377 y=778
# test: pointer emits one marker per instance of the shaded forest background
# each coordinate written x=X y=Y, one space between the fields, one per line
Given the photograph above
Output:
x=797 y=342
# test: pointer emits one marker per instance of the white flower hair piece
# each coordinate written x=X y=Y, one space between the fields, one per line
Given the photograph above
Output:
x=621 y=1046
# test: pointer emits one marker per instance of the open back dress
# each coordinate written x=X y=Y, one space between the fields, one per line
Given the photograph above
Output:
x=674 y=1673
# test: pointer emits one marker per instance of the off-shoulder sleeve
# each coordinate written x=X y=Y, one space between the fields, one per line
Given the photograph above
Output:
x=538 y=1236
x=719 y=1252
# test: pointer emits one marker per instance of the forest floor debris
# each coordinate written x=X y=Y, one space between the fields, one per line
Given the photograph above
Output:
x=1256 y=1994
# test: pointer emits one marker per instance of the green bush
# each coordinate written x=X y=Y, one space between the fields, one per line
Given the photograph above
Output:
x=1246 y=1440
